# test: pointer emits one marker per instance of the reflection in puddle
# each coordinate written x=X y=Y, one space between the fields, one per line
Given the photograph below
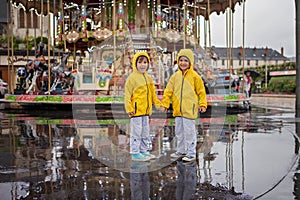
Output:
x=75 y=158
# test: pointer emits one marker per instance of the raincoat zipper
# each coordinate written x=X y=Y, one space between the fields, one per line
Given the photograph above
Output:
x=147 y=94
x=182 y=82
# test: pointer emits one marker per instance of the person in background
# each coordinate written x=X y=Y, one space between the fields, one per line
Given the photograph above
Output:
x=247 y=81
x=235 y=81
x=187 y=92
x=139 y=96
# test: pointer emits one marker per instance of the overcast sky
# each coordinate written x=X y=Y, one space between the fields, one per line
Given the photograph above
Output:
x=269 y=23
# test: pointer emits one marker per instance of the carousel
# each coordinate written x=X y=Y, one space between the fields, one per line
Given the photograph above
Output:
x=93 y=42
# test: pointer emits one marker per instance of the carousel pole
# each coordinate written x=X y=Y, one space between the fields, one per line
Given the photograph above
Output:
x=114 y=38
x=297 y=5
x=229 y=34
x=229 y=41
x=53 y=27
x=243 y=61
x=198 y=26
x=12 y=50
x=208 y=14
x=195 y=26
x=184 y=25
x=27 y=35
x=8 y=42
x=205 y=33
x=42 y=19
x=35 y=34
x=232 y=38
x=49 y=45
x=63 y=25
x=114 y=73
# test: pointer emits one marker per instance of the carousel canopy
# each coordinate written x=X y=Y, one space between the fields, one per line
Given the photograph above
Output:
x=37 y=5
x=41 y=5
x=206 y=7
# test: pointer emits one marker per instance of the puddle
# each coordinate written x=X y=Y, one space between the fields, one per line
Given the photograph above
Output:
x=240 y=156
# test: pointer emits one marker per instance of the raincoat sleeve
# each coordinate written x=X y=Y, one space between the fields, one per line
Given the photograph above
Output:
x=168 y=93
x=155 y=99
x=128 y=96
x=200 y=91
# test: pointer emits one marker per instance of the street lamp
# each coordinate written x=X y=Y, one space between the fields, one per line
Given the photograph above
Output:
x=266 y=67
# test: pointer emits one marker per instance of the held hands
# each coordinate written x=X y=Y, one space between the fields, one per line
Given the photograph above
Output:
x=202 y=109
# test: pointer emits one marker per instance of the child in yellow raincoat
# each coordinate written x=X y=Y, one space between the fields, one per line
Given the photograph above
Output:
x=187 y=92
x=139 y=97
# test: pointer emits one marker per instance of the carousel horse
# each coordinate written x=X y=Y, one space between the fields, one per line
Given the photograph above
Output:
x=36 y=69
x=21 y=78
x=62 y=79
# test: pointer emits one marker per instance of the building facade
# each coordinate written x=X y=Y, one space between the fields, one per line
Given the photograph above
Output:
x=254 y=57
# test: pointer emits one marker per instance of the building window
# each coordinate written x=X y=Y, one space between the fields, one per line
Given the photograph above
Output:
x=240 y=62
x=223 y=62
x=248 y=62
x=30 y=19
x=21 y=19
x=256 y=62
x=35 y=21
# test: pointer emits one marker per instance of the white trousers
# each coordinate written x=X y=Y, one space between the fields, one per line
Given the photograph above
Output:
x=185 y=131
x=139 y=134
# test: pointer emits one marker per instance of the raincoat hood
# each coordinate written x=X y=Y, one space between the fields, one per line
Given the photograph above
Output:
x=187 y=53
x=135 y=57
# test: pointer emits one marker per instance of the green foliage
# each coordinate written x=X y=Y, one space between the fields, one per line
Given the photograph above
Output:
x=264 y=89
x=109 y=99
x=30 y=42
x=48 y=98
x=44 y=39
x=231 y=97
x=11 y=98
x=2 y=39
x=283 y=84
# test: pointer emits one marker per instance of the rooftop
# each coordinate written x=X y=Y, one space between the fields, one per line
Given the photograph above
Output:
x=250 y=53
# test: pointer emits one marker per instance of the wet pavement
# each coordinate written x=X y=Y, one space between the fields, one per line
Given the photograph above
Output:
x=274 y=101
x=250 y=154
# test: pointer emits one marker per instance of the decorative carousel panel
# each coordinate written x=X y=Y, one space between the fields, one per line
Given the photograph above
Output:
x=102 y=33
x=173 y=36
x=72 y=36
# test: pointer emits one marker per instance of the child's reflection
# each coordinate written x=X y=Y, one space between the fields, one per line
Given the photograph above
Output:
x=186 y=181
x=139 y=181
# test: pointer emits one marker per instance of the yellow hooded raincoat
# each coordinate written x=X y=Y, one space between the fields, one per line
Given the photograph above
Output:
x=140 y=90
x=186 y=91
